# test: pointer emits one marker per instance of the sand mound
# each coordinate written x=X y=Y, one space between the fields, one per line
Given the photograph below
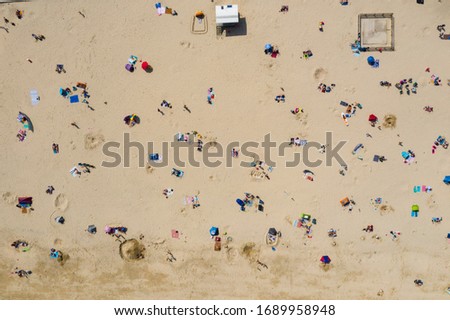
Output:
x=320 y=74
x=61 y=202
x=92 y=141
x=250 y=251
x=9 y=198
x=131 y=250
x=149 y=168
x=390 y=121
x=385 y=209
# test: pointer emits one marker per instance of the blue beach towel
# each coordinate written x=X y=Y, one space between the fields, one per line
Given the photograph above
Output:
x=74 y=99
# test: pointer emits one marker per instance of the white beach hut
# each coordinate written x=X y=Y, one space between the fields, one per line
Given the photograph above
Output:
x=227 y=15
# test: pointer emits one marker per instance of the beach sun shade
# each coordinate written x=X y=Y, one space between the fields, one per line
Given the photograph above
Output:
x=214 y=231
x=405 y=155
x=273 y=231
x=240 y=202
x=345 y=201
x=325 y=259
x=447 y=180
x=29 y=124
x=25 y=202
x=371 y=60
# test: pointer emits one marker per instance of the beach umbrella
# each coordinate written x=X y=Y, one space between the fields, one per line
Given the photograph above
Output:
x=325 y=259
x=308 y=172
x=371 y=60
x=145 y=65
x=214 y=231
x=268 y=46
x=108 y=229
x=273 y=231
x=415 y=208
x=373 y=118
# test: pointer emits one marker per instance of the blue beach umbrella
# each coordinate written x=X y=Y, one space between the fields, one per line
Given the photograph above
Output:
x=325 y=259
x=214 y=231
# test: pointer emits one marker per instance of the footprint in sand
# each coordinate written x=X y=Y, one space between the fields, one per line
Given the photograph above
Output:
x=61 y=202
x=92 y=141
x=186 y=44
x=320 y=74
x=232 y=253
x=9 y=198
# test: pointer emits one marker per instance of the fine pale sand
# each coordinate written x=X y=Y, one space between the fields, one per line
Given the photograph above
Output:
x=95 y=49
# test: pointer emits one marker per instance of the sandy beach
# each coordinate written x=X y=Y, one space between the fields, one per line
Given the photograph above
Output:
x=95 y=39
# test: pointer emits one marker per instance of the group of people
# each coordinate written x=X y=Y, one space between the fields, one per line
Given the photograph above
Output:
x=406 y=83
x=325 y=88
x=441 y=29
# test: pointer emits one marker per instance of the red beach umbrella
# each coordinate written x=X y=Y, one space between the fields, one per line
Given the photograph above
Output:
x=373 y=118
x=145 y=65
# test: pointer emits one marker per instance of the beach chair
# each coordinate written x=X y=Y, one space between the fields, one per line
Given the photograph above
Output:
x=155 y=157
x=217 y=244
x=414 y=211
x=129 y=67
x=177 y=173
x=356 y=149
x=133 y=60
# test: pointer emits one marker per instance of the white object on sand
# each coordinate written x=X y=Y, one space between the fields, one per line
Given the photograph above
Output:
x=34 y=97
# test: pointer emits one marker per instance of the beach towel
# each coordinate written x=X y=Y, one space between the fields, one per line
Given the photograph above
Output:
x=74 y=99
x=34 y=97
x=190 y=200
x=297 y=224
x=376 y=64
x=160 y=11
x=414 y=214
x=74 y=171
x=416 y=189
x=175 y=234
